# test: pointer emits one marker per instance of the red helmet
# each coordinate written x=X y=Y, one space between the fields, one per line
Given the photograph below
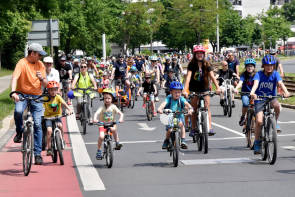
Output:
x=199 y=48
x=52 y=84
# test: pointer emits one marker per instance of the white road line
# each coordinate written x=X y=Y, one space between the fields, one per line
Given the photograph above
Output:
x=287 y=122
x=288 y=147
x=218 y=161
x=228 y=129
x=286 y=135
x=88 y=174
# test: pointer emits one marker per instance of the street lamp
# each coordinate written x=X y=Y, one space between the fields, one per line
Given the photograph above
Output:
x=150 y=11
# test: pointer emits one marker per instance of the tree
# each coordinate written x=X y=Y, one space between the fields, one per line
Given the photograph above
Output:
x=289 y=11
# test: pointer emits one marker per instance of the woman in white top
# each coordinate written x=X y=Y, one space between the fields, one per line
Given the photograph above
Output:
x=51 y=73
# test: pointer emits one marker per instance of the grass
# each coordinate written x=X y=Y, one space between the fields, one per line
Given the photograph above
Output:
x=6 y=104
x=290 y=101
x=4 y=72
x=289 y=74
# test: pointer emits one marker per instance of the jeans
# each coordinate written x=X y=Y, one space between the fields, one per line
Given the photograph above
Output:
x=37 y=112
x=245 y=100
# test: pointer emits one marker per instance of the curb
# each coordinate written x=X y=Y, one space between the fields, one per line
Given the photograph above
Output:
x=6 y=132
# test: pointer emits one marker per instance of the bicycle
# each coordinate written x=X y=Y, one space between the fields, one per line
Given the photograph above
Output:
x=122 y=97
x=249 y=126
x=28 y=131
x=134 y=90
x=174 y=139
x=202 y=122
x=268 y=131
x=65 y=85
x=107 y=142
x=148 y=109
x=84 y=115
x=227 y=104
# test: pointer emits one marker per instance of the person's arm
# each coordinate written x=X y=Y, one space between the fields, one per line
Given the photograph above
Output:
x=280 y=66
x=93 y=82
x=285 y=90
x=155 y=88
x=180 y=68
x=238 y=86
x=237 y=71
x=254 y=88
x=121 y=119
x=66 y=105
x=211 y=75
x=189 y=108
x=187 y=81
x=158 y=74
x=75 y=81
x=161 y=107
x=70 y=74
x=96 y=114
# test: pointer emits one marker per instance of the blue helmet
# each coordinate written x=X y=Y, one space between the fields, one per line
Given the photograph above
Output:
x=250 y=61
x=71 y=94
x=269 y=60
x=133 y=69
x=175 y=85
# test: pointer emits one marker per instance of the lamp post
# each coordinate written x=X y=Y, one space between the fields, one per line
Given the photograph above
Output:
x=217 y=28
x=150 y=11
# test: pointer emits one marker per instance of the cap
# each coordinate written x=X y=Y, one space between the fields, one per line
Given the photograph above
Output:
x=272 y=52
x=48 y=59
x=76 y=60
x=37 y=48
x=63 y=58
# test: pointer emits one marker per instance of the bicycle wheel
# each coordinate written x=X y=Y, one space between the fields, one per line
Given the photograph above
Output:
x=84 y=121
x=175 y=152
x=28 y=150
x=250 y=126
x=59 y=146
x=132 y=102
x=205 y=130
x=54 y=150
x=271 y=136
x=148 y=111
x=264 y=145
x=109 y=154
x=229 y=98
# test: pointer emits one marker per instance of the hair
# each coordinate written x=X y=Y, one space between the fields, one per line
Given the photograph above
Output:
x=205 y=65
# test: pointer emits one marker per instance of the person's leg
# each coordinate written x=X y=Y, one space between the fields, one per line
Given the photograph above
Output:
x=18 y=119
x=245 y=101
x=99 y=142
x=89 y=109
x=36 y=110
x=79 y=106
x=277 y=108
x=49 y=132
x=144 y=99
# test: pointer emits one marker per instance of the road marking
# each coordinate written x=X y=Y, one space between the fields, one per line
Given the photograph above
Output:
x=288 y=147
x=228 y=129
x=287 y=122
x=145 y=127
x=286 y=135
x=88 y=174
x=217 y=161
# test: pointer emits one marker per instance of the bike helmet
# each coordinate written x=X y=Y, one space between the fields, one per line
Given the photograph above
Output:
x=170 y=70
x=153 y=58
x=52 y=84
x=199 y=48
x=133 y=69
x=71 y=94
x=269 y=60
x=109 y=91
x=175 y=85
x=250 y=61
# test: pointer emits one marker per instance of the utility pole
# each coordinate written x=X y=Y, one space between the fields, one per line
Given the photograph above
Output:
x=217 y=28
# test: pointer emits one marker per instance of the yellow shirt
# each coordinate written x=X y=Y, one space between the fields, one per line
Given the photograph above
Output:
x=53 y=107
x=107 y=115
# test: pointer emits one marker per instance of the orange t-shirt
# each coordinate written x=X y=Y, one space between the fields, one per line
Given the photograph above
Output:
x=27 y=81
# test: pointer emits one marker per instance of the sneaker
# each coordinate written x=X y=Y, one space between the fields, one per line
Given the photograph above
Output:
x=144 y=106
x=183 y=144
x=38 y=160
x=233 y=104
x=211 y=132
x=17 y=138
x=49 y=152
x=192 y=133
x=278 y=128
x=257 y=147
x=118 y=146
x=155 y=114
x=165 y=144
x=99 y=155
x=242 y=121
x=157 y=99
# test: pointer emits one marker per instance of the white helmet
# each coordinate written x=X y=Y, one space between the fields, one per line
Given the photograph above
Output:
x=48 y=59
x=76 y=60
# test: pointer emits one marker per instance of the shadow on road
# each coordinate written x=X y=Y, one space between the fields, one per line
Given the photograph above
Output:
x=158 y=164
x=286 y=171
x=14 y=172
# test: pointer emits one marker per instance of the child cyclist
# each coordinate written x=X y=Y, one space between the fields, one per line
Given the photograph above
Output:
x=175 y=102
x=246 y=82
x=265 y=83
x=106 y=113
x=148 y=87
x=53 y=110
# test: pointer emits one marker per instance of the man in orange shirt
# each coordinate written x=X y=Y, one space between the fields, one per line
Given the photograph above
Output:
x=28 y=77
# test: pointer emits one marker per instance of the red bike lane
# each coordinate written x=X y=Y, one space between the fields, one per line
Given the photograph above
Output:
x=49 y=179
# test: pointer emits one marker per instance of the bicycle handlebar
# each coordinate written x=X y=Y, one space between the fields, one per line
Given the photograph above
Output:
x=210 y=93
x=106 y=124
x=30 y=98
x=169 y=111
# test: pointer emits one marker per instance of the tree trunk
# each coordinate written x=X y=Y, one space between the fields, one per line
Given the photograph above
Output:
x=0 y=59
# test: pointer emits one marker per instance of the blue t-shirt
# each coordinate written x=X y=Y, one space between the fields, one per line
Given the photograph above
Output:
x=175 y=105
x=247 y=82
x=139 y=65
x=232 y=65
x=267 y=84
x=120 y=69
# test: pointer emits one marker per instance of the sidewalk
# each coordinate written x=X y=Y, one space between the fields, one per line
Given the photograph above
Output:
x=5 y=82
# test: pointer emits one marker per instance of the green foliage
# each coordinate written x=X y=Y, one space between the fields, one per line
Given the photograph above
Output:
x=6 y=104
x=289 y=11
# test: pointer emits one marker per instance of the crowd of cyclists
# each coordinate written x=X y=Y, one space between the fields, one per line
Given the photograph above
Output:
x=115 y=77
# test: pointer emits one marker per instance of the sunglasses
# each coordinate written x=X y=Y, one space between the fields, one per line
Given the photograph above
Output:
x=83 y=66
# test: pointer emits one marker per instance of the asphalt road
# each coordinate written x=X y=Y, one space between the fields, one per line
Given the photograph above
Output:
x=288 y=65
x=142 y=169
x=5 y=82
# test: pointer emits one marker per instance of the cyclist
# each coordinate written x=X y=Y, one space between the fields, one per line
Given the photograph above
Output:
x=91 y=68
x=153 y=70
x=84 y=80
x=233 y=64
x=176 y=66
x=175 y=102
x=53 y=109
x=76 y=67
x=279 y=66
x=246 y=82
x=28 y=77
x=120 y=72
x=199 y=73
x=133 y=77
x=265 y=83
x=148 y=87
x=223 y=74
x=106 y=113
x=170 y=78
x=65 y=73
x=167 y=66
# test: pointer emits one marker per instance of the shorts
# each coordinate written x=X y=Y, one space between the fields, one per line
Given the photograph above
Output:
x=152 y=97
x=102 y=129
x=170 y=125
x=245 y=100
x=259 y=106
x=49 y=122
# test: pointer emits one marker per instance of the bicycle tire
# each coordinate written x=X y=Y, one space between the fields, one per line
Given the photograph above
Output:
x=109 y=154
x=229 y=112
x=54 y=150
x=84 y=123
x=250 y=125
x=175 y=153
x=59 y=147
x=132 y=98
x=272 y=140
x=148 y=113
x=264 y=146
x=28 y=148
x=205 y=129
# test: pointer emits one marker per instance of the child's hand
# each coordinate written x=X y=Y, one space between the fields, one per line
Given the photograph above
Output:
x=160 y=111
x=121 y=120
x=190 y=111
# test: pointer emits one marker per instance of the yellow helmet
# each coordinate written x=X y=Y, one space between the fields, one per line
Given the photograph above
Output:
x=109 y=91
